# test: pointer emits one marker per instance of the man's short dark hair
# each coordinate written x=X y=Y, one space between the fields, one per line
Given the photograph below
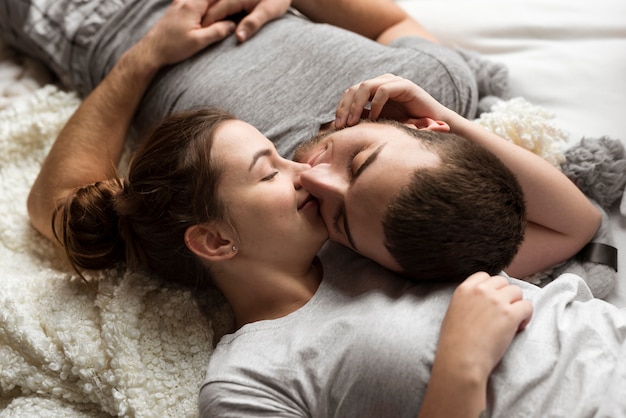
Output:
x=464 y=215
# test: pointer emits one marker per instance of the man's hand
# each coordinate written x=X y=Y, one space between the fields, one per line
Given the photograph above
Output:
x=259 y=12
x=180 y=33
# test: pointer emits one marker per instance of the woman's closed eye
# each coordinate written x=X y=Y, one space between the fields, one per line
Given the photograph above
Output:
x=270 y=176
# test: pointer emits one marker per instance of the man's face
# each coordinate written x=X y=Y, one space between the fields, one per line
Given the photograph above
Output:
x=355 y=172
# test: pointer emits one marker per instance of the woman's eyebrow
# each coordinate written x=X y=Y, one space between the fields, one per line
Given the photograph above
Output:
x=262 y=153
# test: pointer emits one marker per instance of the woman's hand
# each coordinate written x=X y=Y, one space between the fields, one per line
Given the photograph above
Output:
x=180 y=33
x=390 y=97
x=484 y=315
x=259 y=12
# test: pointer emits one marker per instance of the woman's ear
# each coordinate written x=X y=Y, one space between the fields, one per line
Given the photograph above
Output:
x=209 y=242
x=430 y=124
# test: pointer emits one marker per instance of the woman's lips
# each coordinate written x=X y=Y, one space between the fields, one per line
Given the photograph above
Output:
x=308 y=202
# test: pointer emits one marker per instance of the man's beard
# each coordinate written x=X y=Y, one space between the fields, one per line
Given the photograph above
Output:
x=302 y=149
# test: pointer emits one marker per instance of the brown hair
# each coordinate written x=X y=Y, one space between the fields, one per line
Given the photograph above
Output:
x=464 y=215
x=171 y=185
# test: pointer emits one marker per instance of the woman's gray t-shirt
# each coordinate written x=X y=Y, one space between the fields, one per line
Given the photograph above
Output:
x=364 y=346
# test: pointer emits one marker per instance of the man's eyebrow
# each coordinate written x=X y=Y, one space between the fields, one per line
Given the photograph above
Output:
x=262 y=153
x=372 y=157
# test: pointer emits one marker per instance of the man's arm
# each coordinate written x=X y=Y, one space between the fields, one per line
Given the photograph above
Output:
x=561 y=220
x=381 y=20
x=89 y=147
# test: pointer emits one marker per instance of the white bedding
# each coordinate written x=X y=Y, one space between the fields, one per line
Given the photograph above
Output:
x=138 y=350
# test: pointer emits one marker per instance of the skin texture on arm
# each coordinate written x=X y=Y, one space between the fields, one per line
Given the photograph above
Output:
x=484 y=315
x=561 y=220
x=89 y=147
x=380 y=20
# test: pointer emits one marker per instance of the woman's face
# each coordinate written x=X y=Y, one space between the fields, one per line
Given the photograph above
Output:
x=275 y=218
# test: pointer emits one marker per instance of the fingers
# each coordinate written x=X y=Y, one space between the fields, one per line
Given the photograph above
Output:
x=354 y=100
x=179 y=35
x=484 y=315
x=387 y=91
x=260 y=13
x=498 y=291
x=525 y=309
x=213 y=33
x=221 y=9
x=387 y=96
x=264 y=12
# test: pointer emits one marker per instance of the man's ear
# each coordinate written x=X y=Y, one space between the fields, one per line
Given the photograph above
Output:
x=209 y=242
x=430 y=124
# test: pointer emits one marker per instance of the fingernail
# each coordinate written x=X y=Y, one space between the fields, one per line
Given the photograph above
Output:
x=241 y=35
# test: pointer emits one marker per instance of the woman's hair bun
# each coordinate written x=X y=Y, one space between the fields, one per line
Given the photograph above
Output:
x=89 y=225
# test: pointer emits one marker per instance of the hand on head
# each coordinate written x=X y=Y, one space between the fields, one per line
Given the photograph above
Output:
x=259 y=12
x=391 y=97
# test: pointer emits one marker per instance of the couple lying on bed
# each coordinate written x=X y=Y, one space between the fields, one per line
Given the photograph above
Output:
x=207 y=197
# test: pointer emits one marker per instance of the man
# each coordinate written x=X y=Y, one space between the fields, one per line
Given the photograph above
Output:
x=374 y=198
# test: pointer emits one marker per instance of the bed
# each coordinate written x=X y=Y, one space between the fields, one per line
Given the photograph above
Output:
x=137 y=349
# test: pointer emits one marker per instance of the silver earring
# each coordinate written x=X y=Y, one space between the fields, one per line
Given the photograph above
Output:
x=235 y=248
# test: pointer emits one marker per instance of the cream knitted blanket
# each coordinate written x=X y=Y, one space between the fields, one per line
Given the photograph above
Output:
x=124 y=347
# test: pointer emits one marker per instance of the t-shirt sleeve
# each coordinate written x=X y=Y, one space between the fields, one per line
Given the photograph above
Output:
x=231 y=400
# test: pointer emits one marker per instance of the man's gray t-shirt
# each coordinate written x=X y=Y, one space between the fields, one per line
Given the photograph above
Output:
x=363 y=346
x=286 y=80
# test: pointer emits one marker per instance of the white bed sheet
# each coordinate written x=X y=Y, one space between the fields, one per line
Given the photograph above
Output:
x=567 y=56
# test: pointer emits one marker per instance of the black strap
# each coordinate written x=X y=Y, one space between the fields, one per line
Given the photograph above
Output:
x=599 y=253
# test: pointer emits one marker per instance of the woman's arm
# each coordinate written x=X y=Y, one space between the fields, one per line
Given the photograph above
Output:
x=483 y=317
x=89 y=147
x=561 y=220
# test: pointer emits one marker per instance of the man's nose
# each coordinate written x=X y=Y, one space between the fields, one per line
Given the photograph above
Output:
x=322 y=182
